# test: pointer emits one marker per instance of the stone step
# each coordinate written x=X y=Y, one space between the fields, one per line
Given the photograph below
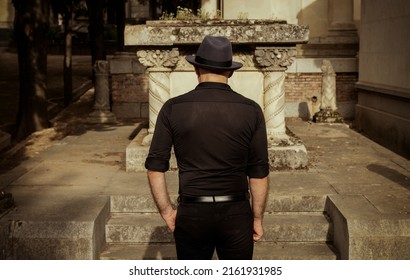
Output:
x=276 y=203
x=262 y=251
x=150 y=228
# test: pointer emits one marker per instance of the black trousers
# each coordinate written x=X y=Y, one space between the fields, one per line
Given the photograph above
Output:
x=203 y=227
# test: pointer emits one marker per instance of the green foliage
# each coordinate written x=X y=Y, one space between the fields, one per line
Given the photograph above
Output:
x=188 y=14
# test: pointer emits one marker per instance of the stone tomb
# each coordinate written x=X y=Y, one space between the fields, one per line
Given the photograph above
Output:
x=266 y=49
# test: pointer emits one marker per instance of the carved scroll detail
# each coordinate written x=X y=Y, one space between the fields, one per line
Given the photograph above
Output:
x=158 y=58
x=275 y=59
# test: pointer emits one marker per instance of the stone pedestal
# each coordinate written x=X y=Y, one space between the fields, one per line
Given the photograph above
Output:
x=265 y=48
x=328 y=111
x=101 y=111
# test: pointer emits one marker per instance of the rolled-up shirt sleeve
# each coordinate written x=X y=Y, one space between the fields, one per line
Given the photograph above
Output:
x=160 y=149
x=258 y=162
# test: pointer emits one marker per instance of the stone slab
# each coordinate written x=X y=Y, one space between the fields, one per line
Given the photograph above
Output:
x=61 y=174
x=293 y=157
x=144 y=203
x=299 y=183
x=280 y=157
x=179 y=32
x=293 y=251
x=135 y=228
x=149 y=227
x=151 y=251
x=306 y=203
x=262 y=251
x=55 y=227
x=362 y=232
x=296 y=227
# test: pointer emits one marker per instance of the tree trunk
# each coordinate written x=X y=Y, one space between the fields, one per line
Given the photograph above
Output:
x=96 y=29
x=120 y=22
x=31 y=26
x=153 y=9
x=67 y=67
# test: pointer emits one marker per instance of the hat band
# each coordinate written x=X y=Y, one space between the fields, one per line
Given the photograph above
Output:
x=212 y=62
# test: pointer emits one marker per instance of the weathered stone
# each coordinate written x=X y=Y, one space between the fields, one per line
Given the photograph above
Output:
x=292 y=156
x=55 y=231
x=145 y=228
x=275 y=51
x=262 y=251
x=237 y=31
x=275 y=203
x=362 y=232
x=327 y=116
x=149 y=227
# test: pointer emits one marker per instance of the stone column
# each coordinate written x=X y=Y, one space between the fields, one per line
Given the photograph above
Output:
x=101 y=111
x=341 y=16
x=160 y=64
x=274 y=62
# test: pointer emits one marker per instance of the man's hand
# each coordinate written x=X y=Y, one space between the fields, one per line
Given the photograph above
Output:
x=259 y=189
x=257 y=229
x=169 y=218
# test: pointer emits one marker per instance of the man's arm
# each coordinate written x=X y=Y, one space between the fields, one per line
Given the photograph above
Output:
x=259 y=189
x=161 y=197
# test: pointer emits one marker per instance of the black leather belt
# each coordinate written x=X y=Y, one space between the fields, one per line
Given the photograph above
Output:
x=213 y=198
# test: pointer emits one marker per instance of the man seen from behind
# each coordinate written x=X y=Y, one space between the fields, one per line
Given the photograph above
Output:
x=220 y=143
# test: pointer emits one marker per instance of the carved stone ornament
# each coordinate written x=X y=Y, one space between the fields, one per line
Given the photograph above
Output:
x=158 y=58
x=180 y=32
x=275 y=58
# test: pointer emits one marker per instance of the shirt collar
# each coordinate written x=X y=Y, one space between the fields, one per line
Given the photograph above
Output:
x=206 y=85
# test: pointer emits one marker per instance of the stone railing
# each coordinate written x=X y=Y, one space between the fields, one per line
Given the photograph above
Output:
x=266 y=49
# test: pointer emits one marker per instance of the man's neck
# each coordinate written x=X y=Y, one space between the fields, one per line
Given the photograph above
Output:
x=211 y=77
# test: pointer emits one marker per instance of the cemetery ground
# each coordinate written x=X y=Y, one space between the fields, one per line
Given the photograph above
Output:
x=75 y=200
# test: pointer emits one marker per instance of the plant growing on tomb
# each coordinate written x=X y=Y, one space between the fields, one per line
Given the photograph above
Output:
x=243 y=15
x=188 y=14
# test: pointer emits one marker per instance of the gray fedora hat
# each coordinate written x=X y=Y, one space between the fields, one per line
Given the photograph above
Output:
x=215 y=54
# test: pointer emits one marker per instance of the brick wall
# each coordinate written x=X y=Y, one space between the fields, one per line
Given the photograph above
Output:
x=127 y=88
x=345 y=87
x=303 y=86
x=129 y=95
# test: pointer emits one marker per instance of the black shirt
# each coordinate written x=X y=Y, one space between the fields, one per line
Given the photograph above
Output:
x=219 y=139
